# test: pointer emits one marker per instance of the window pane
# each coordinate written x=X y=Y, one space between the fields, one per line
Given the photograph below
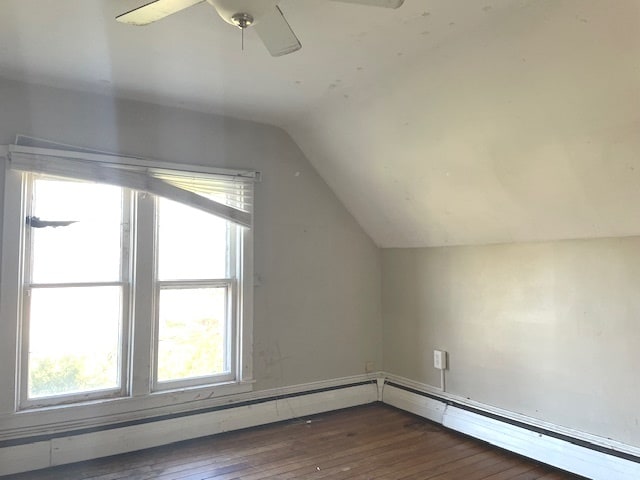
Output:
x=192 y=244
x=86 y=251
x=74 y=337
x=192 y=324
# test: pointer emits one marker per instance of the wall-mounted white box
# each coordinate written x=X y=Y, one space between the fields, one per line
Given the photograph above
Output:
x=440 y=359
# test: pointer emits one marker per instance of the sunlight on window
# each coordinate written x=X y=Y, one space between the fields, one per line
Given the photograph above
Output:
x=191 y=333
x=74 y=340
x=76 y=290
x=191 y=244
x=85 y=251
x=74 y=330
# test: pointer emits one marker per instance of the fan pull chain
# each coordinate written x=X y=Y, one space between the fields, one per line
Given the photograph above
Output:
x=242 y=21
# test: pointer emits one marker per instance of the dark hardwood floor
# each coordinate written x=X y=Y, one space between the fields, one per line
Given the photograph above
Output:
x=369 y=442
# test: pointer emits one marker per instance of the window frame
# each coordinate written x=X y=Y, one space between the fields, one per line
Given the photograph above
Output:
x=230 y=319
x=137 y=386
x=26 y=286
x=230 y=282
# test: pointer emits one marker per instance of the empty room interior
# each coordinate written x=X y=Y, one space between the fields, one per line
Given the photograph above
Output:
x=221 y=217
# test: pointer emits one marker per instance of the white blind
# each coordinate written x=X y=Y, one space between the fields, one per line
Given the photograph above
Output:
x=226 y=195
x=233 y=191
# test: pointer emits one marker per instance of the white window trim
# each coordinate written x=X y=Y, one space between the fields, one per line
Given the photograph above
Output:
x=142 y=401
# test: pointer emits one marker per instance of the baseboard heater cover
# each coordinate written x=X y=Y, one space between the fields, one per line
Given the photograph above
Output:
x=559 y=450
x=32 y=453
x=562 y=451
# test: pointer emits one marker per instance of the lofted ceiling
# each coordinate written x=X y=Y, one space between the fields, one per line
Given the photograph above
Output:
x=444 y=122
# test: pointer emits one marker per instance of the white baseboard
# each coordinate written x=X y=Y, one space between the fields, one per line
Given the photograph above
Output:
x=21 y=458
x=417 y=404
x=269 y=407
x=543 y=445
x=577 y=452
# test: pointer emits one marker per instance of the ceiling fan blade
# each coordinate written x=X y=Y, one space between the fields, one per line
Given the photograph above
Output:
x=376 y=3
x=276 y=34
x=153 y=11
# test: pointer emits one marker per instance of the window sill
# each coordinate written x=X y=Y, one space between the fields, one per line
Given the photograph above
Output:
x=98 y=413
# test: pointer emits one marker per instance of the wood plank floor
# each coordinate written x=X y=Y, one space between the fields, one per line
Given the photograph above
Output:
x=369 y=442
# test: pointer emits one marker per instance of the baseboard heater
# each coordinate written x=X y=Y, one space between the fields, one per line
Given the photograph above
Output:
x=563 y=451
x=47 y=450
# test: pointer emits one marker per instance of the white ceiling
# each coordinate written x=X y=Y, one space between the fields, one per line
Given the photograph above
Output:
x=443 y=122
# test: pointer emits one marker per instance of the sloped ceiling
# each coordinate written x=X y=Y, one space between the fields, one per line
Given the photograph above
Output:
x=444 y=122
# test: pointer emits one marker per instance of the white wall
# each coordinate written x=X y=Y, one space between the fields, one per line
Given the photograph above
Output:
x=317 y=308
x=548 y=330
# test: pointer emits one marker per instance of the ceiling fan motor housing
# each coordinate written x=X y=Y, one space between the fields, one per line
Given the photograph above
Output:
x=242 y=20
x=271 y=26
x=242 y=12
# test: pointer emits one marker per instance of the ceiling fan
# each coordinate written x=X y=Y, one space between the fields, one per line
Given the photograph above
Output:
x=263 y=15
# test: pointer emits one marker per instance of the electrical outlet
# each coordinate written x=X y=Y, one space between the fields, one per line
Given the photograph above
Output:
x=440 y=359
x=369 y=367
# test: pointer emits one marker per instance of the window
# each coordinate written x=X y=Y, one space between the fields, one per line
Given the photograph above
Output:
x=133 y=278
x=195 y=285
x=74 y=314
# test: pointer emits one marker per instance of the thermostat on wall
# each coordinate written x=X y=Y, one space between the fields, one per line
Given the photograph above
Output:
x=440 y=359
